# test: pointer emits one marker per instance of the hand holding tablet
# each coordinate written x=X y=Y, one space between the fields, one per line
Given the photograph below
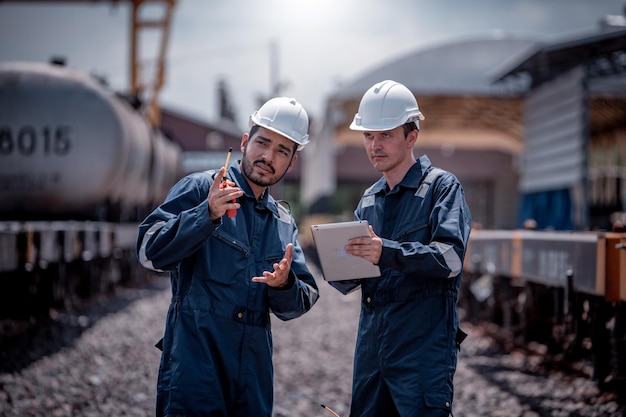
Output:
x=338 y=265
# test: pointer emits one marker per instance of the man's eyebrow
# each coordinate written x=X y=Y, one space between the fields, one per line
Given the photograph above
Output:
x=263 y=138
x=280 y=145
x=285 y=147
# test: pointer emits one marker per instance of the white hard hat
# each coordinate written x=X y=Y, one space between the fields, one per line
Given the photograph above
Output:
x=385 y=106
x=284 y=116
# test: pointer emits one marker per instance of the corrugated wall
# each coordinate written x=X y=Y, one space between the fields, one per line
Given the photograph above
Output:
x=555 y=134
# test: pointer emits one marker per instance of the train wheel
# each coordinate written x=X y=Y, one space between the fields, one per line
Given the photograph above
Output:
x=538 y=314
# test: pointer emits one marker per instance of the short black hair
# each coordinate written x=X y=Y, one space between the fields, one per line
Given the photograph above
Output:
x=408 y=127
x=253 y=130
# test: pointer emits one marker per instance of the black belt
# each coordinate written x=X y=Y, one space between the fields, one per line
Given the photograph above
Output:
x=224 y=310
x=408 y=293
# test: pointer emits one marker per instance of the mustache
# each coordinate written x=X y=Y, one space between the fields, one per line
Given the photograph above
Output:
x=269 y=166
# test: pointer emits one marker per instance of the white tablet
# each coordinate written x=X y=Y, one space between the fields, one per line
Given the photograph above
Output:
x=338 y=265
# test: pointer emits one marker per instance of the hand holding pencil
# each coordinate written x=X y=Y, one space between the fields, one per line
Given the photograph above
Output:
x=230 y=212
x=223 y=195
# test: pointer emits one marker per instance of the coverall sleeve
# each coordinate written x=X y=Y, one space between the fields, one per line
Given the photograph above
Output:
x=441 y=255
x=287 y=304
x=177 y=228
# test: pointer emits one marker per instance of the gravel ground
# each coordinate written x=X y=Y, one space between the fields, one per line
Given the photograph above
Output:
x=102 y=363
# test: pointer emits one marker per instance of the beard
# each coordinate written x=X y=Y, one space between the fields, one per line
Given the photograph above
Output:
x=247 y=167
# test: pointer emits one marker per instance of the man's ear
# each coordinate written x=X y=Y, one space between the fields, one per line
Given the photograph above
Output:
x=244 y=141
x=412 y=137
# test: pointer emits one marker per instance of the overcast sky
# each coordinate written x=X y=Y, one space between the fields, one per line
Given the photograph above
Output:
x=319 y=43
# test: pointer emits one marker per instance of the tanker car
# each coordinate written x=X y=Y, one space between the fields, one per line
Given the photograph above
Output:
x=79 y=167
x=565 y=290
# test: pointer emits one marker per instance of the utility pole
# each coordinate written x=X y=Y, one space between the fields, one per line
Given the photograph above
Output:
x=275 y=83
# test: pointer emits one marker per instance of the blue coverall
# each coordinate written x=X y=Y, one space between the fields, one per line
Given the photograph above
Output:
x=406 y=350
x=217 y=347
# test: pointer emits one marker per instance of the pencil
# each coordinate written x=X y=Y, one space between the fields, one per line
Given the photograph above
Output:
x=329 y=410
x=230 y=212
x=230 y=151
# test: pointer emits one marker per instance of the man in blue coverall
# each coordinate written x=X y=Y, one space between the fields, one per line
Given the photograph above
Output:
x=227 y=273
x=408 y=336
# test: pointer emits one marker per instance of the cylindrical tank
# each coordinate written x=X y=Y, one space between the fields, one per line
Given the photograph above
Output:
x=68 y=145
x=167 y=168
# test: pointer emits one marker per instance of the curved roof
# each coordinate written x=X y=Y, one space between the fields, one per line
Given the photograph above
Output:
x=464 y=66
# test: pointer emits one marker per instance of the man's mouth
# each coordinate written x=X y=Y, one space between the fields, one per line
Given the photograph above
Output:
x=264 y=167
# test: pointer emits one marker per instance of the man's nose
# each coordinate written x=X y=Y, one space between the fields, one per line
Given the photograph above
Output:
x=376 y=142
x=268 y=156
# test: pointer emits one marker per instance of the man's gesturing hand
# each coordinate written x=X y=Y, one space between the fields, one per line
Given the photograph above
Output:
x=280 y=276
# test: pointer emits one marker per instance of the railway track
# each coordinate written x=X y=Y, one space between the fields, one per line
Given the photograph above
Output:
x=104 y=364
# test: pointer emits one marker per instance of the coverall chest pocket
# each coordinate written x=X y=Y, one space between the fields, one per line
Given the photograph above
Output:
x=224 y=259
x=416 y=231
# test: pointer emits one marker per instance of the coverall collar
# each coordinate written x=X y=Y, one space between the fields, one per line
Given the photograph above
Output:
x=412 y=178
